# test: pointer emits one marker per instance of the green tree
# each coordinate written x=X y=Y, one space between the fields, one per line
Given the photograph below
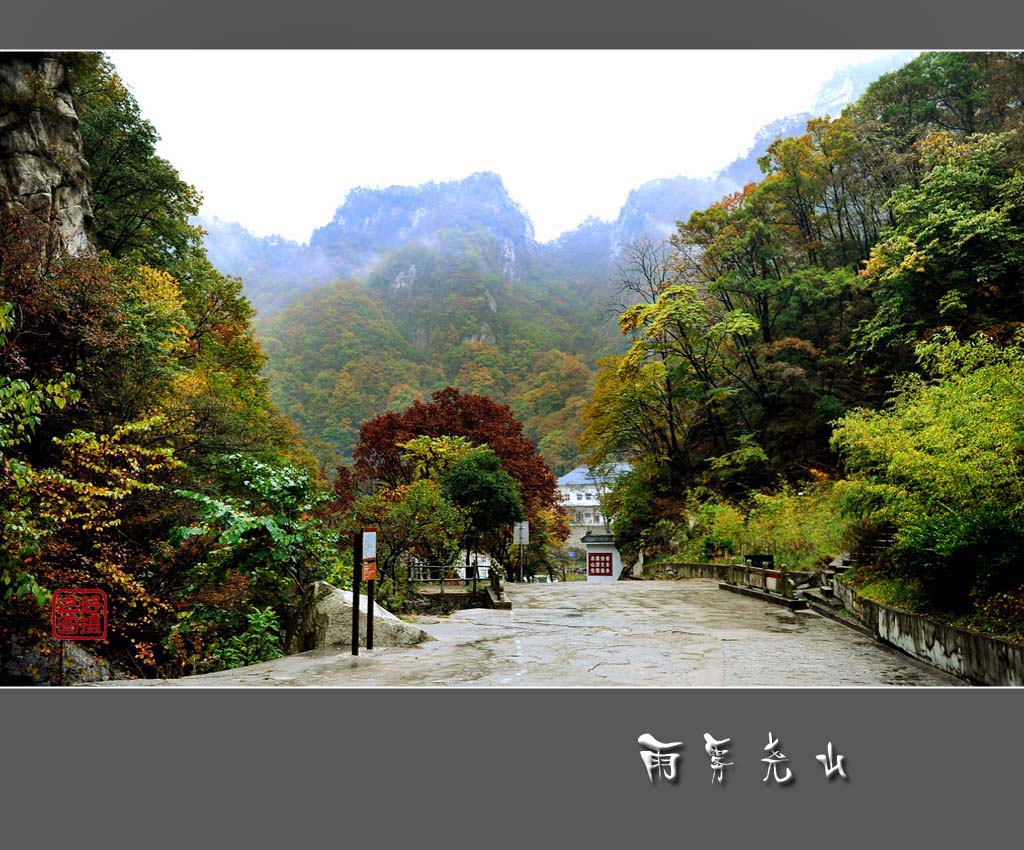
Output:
x=432 y=457
x=268 y=534
x=488 y=496
x=956 y=255
x=141 y=206
x=942 y=465
x=414 y=520
x=21 y=530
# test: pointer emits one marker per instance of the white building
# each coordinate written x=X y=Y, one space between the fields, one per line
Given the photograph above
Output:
x=480 y=560
x=581 y=493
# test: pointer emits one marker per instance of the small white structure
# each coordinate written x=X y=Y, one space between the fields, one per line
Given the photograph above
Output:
x=603 y=560
x=480 y=560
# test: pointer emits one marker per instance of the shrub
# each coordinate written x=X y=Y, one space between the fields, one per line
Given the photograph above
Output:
x=260 y=641
x=941 y=465
x=800 y=527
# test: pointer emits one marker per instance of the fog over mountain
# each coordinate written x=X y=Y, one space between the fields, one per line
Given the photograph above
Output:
x=372 y=222
x=408 y=289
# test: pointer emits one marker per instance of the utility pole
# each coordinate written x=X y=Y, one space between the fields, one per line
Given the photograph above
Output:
x=521 y=535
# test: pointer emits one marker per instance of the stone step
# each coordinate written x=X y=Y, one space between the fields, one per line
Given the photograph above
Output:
x=821 y=596
x=833 y=610
x=794 y=604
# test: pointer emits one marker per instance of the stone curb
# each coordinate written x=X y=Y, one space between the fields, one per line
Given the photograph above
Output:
x=791 y=604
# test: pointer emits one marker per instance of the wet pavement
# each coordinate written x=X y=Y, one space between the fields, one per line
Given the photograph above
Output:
x=651 y=633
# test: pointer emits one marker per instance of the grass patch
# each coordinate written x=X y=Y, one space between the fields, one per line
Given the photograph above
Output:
x=898 y=593
x=999 y=615
x=802 y=527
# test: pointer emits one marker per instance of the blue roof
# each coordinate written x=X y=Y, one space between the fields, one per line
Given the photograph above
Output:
x=583 y=475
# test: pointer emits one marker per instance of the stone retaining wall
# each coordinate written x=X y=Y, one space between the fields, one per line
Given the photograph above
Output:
x=688 y=570
x=434 y=603
x=764 y=578
x=978 y=658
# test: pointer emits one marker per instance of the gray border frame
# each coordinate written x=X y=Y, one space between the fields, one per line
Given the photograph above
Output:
x=936 y=767
x=646 y=24
x=425 y=767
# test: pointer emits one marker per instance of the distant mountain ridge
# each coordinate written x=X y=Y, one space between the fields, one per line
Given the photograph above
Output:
x=372 y=222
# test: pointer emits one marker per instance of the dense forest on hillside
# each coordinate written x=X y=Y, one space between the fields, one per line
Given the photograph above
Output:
x=427 y=318
x=856 y=313
x=454 y=270
x=139 y=450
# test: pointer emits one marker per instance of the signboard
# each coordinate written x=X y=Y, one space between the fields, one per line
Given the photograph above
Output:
x=599 y=564
x=521 y=534
x=369 y=554
x=369 y=544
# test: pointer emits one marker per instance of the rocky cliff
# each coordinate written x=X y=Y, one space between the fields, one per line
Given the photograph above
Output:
x=369 y=227
x=42 y=170
x=374 y=220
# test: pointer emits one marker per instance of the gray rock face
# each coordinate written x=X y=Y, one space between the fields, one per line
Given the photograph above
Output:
x=508 y=256
x=485 y=335
x=327 y=621
x=406 y=278
x=36 y=662
x=42 y=170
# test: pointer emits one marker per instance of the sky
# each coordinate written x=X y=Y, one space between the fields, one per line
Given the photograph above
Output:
x=274 y=140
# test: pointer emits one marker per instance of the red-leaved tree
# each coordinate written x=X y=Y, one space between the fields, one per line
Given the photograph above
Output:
x=453 y=413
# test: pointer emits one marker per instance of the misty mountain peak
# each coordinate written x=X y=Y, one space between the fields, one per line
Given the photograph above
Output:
x=374 y=219
x=373 y=222
x=848 y=84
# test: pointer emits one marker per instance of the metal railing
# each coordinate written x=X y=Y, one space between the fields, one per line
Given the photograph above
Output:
x=437 y=574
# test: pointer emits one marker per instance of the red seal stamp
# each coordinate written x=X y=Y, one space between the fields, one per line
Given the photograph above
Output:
x=79 y=614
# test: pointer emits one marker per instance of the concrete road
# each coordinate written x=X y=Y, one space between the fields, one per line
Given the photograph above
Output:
x=673 y=633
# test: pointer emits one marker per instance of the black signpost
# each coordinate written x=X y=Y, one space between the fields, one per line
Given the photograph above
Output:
x=369 y=613
x=357 y=575
x=369 y=566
